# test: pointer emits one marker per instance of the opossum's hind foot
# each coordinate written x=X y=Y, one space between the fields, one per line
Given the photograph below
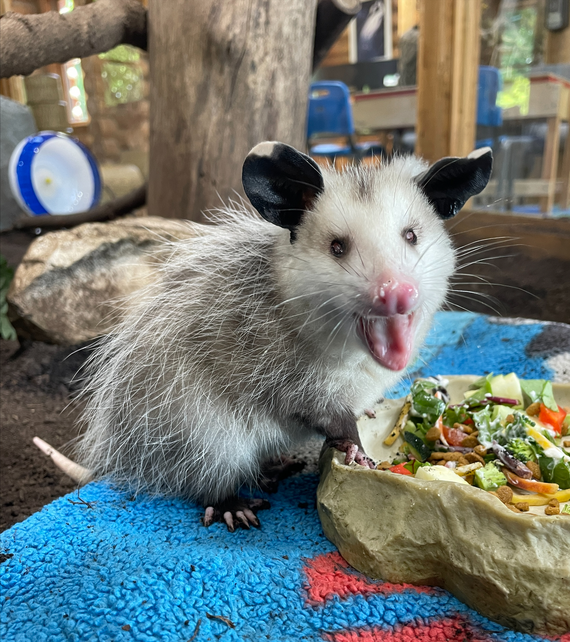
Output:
x=235 y=512
x=275 y=470
x=353 y=452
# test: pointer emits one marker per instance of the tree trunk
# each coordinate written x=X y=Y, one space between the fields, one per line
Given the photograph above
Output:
x=225 y=75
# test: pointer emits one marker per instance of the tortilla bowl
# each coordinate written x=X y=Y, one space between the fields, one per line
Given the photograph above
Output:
x=513 y=568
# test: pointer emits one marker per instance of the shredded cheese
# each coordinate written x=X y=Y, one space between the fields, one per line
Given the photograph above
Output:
x=535 y=499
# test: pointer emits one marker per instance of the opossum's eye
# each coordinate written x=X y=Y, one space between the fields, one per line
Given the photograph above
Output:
x=338 y=247
x=410 y=236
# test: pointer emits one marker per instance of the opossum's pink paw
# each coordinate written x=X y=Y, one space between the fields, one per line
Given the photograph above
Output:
x=235 y=512
x=275 y=470
x=353 y=453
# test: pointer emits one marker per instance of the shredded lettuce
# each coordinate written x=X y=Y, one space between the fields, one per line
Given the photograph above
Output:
x=456 y=415
x=488 y=423
x=484 y=425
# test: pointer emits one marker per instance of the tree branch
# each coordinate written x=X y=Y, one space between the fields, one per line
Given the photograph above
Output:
x=106 y=212
x=333 y=17
x=28 y=42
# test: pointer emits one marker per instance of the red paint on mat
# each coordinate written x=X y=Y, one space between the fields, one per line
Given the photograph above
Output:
x=329 y=575
x=455 y=629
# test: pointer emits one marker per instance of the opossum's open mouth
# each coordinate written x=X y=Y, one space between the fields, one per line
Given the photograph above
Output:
x=389 y=339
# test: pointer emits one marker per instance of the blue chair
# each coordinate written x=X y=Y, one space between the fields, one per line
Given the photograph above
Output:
x=489 y=85
x=330 y=113
x=488 y=113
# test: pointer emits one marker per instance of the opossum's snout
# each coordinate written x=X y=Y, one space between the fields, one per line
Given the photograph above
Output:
x=393 y=295
x=388 y=328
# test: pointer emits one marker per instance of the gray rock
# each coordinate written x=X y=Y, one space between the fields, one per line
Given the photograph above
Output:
x=69 y=287
x=16 y=123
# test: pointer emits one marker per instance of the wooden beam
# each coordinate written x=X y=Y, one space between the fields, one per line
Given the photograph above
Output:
x=13 y=88
x=557 y=47
x=550 y=163
x=407 y=15
x=448 y=63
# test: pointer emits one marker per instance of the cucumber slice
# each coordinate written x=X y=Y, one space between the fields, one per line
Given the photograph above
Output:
x=417 y=447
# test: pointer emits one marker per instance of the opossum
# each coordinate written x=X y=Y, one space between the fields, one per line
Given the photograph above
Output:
x=275 y=325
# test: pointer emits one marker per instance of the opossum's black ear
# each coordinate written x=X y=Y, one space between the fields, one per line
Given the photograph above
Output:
x=451 y=181
x=281 y=183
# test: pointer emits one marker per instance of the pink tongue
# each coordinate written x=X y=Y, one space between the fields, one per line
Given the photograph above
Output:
x=389 y=339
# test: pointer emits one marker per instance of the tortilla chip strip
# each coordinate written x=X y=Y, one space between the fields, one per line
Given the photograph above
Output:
x=402 y=419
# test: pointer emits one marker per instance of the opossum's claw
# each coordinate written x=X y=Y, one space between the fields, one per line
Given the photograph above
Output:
x=353 y=453
x=275 y=470
x=235 y=512
x=251 y=517
x=208 y=518
x=229 y=519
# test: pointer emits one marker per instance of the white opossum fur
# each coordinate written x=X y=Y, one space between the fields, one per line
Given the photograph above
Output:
x=248 y=344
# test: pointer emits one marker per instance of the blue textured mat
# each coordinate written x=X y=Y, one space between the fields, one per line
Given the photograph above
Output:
x=110 y=568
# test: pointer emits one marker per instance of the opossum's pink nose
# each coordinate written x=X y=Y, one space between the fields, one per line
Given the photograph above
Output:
x=394 y=296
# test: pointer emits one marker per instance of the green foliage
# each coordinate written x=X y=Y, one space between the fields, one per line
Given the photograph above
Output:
x=123 y=75
x=6 y=274
x=515 y=93
x=517 y=54
x=122 y=53
x=517 y=43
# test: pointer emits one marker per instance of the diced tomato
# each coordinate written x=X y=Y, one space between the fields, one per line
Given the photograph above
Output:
x=530 y=484
x=453 y=436
x=554 y=419
x=469 y=422
x=400 y=469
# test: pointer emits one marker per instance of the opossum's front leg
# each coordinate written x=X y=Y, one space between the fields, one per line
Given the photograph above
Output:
x=235 y=512
x=353 y=452
x=341 y=432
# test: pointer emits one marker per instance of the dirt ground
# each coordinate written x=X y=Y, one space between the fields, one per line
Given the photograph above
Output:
x=34 y=396
x=36 y=385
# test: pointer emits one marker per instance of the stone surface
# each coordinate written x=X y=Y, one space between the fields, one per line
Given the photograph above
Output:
x=512 y=568
x=16 y=123
x=70 y=285
x=119 y=180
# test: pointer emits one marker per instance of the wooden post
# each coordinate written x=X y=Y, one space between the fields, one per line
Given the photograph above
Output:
x=225 y=75
x=448 y=63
